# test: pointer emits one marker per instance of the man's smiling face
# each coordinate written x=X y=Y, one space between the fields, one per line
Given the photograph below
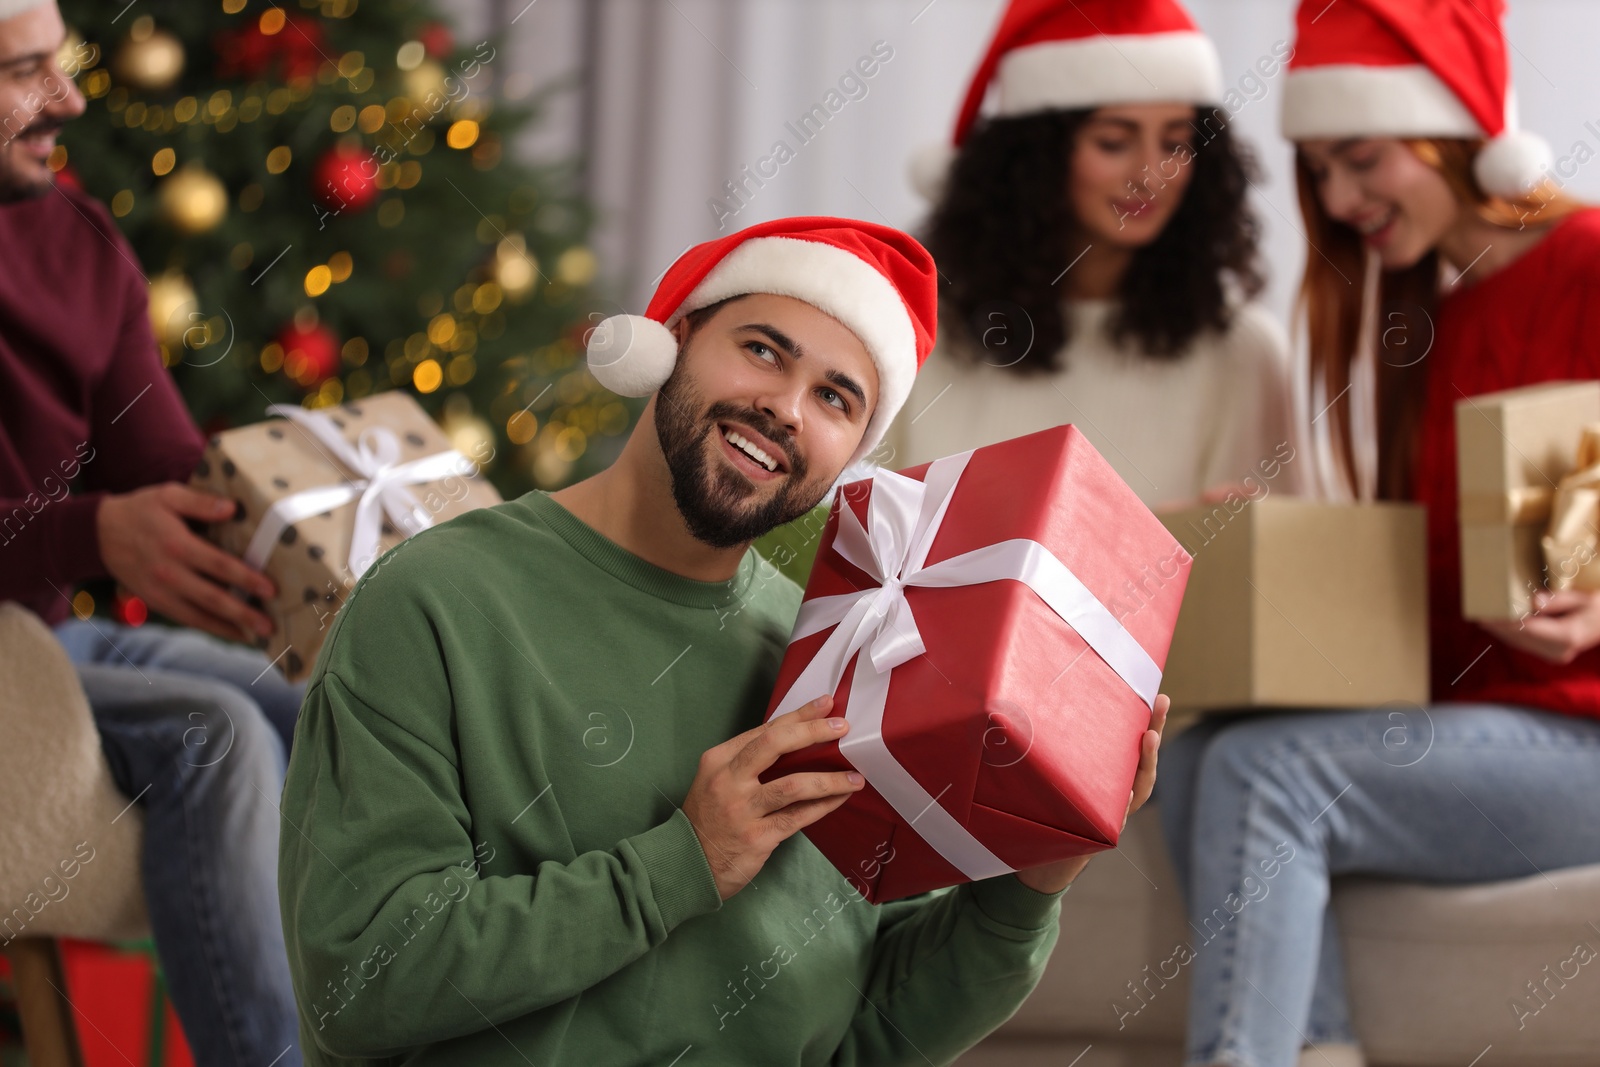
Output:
x=769 y=400
x=36 y=99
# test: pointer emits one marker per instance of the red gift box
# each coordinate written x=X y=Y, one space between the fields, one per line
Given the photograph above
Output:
x=993 y=625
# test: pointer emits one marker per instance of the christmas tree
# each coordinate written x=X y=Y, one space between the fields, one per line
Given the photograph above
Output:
x=325 y=201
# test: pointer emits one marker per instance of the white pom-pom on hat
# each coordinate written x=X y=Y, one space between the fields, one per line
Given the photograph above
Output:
x=1511 y=164
x=929 y=169
x=631 y=355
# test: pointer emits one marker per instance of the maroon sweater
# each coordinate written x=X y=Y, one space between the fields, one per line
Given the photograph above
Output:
x=1535 y=320
x=86 y=408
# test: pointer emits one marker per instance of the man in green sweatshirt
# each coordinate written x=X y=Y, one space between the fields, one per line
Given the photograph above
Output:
x=523 y=821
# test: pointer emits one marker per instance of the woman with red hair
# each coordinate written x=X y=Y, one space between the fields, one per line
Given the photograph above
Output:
x=1424 y=203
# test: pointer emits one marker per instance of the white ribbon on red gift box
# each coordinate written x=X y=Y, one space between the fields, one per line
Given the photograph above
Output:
x=378 y=489
x=903 y=517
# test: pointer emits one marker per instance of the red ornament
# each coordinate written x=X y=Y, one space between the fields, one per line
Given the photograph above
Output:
x=309 y=355
x=436 y=40
x=397 y=264
x=247 y=53
x=577 y=332
x=130 y=610
x=346 y=178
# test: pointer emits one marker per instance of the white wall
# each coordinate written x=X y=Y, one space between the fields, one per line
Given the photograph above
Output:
x=688 y=91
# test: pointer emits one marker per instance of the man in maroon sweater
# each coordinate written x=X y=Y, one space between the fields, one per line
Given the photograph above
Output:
x=95 y=445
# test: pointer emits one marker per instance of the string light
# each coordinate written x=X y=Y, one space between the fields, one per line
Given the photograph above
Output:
x=428 y=376
x=318 y=279
x=410 y=55
x=442 y=330
x=521 y=427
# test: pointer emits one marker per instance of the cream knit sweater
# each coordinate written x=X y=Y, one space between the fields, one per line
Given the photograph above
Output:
x=1170 y=428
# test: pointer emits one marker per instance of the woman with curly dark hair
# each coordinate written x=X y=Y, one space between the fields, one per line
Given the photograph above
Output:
x=1097 y=257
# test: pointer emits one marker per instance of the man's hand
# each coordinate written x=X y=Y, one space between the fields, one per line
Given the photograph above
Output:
x=1563 y=625
x=1054 y=877
x=740 y=819
x=146 y=546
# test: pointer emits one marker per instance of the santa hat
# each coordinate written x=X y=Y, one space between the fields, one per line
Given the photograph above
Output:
x=879 y=282
x=1411 y=68
x=17 y=7
x=1051 y=55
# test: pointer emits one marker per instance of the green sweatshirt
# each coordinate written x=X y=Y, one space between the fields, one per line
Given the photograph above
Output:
x=483 y=858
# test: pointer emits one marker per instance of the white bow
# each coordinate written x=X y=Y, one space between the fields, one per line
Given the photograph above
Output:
x=903 y=518
x=379 y=488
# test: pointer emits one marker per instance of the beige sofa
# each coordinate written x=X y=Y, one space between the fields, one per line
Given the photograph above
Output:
x=1433 y=972
x=69 y=840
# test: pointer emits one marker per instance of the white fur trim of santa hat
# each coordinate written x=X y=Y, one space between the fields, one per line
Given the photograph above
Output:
x=1087 y=72
x=8 y=8
x=828 y=278
x=1339 y=101
x=1349 y=100
x=1096 y=71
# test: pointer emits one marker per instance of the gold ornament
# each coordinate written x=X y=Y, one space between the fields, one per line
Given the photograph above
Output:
x=577 y=266
x=174 y=308
x=551 y=468
x=471 y=436
x=152 y=63
x=193 y=200
x=515 y=268
x=427 y=78
x=76 y=55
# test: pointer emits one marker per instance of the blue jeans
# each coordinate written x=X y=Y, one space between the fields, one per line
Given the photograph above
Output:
x=197 y=731
x=1261 y=811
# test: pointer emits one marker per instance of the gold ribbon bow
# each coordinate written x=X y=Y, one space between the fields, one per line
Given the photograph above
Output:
x=1572 y=542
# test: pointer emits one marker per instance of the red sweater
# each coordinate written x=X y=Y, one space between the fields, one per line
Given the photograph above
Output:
x=1535 y=320
x=85 y=404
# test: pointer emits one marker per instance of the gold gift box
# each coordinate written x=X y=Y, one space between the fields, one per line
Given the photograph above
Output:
x=1512 y=449
x=261 y=464
x=1300 y=603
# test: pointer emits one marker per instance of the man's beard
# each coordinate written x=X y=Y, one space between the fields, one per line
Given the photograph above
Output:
x=12 y=187
x=712 y=501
